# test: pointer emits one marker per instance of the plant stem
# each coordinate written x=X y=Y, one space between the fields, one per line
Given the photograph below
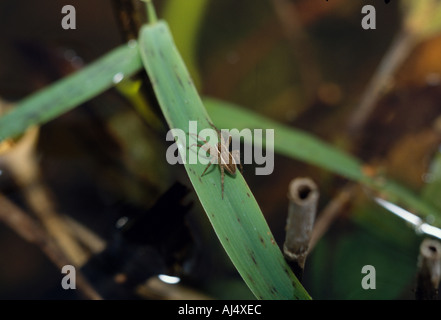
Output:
x=20 y=159
x=32 y=232
x=128 y=18
x=303 y=196
x=295 y=33
x=331 y=212
x=151 y=12
x=382 y=79
x=429 y=270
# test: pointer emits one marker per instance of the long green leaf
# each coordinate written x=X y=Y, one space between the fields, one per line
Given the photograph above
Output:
x=236 y=219
x=71 y=91
x=303 y=146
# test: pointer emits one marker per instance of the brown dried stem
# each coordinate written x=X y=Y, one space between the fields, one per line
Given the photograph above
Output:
x=301 y=46
x=128 y=16
x=20 y=159
x=382 y=79
x=32 y=232
x=333 y=209
x=303 y=196
x=88 y=239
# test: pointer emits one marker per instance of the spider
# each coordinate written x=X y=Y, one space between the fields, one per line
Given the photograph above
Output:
x=226 y=160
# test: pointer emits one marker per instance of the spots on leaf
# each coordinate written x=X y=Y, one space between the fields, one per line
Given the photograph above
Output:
x=262 y=241
x=253 y=257
x=180 y=81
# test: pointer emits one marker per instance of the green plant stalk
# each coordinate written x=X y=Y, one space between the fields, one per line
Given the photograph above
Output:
x=185 y=21
x=71 y=91
x=300 y=145
x=131 y=90
x=236 y=219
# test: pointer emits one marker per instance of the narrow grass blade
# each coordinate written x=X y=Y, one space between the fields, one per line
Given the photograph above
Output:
x=71 y=91
x=236 y=219
x=302 y=146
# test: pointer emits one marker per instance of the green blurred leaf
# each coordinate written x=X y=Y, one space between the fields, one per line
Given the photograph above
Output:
x=432 y=190
x=303 y=146
x=423 y=18
x=71 y=91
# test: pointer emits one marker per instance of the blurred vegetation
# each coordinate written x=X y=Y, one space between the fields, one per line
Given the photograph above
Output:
x=102 y=162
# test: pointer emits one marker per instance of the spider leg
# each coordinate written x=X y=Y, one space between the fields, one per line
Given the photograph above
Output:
x=225 y=142
x=206 y=147
x=222 y=180
x=198 y=137
x=219 y=133
x=208 y=166
x=236 y=157
x=214 y=127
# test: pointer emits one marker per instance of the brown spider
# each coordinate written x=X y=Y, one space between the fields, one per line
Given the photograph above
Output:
x=223 y=157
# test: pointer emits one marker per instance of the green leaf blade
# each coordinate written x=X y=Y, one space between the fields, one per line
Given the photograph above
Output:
x=71 y=91
x=288 y=141
x=302 y=146
x=236 y=219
